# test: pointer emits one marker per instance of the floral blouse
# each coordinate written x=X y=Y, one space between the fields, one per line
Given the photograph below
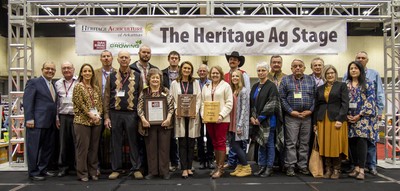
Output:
x=366 y=106
x=84 y=99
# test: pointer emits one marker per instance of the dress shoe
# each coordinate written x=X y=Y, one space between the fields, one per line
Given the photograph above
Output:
x=149 y=177
x=211 y=164
x=203 y=165
x=37 y=178
x=373 y=171
x=290 y=171
x=167 y=176
x=185 y=174
x=95 y=178
x=84 y=179
x=268 y=172
x=260 y=171
x=50 y=174
x=190 y=172
x=173 y=168
x=62 y=173
x=138 y=175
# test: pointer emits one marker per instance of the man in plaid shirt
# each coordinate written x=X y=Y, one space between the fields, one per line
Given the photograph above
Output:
x=297 y=92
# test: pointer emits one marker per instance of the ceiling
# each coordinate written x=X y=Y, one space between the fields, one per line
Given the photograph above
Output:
x=64 y=30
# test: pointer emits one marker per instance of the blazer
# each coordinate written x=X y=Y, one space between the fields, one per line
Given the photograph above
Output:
x=98 y=74
x=38 y=103
x=337 y=105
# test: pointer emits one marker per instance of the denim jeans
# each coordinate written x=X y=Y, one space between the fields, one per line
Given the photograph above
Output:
x=232 y=155
x=266 y=153
x=371 y=156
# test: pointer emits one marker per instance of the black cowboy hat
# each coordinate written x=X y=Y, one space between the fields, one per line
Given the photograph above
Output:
x=236 y=55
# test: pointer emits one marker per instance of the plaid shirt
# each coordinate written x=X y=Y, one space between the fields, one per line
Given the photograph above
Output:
x=289 y=86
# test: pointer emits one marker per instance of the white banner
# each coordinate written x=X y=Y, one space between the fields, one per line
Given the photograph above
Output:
x=212 y=36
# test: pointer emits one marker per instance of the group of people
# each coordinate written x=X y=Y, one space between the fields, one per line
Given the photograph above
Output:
x=278 y=113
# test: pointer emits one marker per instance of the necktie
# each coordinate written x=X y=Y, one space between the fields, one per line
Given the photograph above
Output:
x=53 y=95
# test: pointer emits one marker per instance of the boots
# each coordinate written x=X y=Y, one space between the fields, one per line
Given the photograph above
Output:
x=336 y=168
x=220 y=164
x=328 y=168
x=244 y=171
x=216 y=163
x=237 y=170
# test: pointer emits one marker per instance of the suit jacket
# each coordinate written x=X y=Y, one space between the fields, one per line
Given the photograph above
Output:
x=98 y=74
x=38 y=103
x=337 y=105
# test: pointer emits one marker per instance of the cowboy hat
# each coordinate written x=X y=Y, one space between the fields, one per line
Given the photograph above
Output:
x=236 y=55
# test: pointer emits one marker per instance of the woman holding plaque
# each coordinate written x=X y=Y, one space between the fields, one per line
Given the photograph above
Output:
x=218 y=93
x=361 y=116
x=88 y=108
x=266 y=120
x=157 y=134
x=187 y=94
x=239 y=126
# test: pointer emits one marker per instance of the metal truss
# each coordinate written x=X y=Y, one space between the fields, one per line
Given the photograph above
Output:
x=23 y=14
x=392 y=85
x=69 y=10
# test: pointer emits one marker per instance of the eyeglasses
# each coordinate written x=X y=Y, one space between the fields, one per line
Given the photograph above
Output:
x=50 y=69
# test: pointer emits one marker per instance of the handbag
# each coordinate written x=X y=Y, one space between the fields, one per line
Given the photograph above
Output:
x=315 y=164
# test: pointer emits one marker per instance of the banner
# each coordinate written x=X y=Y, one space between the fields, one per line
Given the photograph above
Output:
x=212 y=36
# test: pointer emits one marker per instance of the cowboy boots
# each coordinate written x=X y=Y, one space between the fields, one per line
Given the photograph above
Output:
x=220 y=165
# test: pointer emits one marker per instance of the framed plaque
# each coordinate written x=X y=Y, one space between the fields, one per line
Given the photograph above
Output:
x=155 y=109
x=186 y=105
x=210 y=111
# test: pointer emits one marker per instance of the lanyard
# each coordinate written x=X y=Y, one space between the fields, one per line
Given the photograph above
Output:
x=65 y=87
x=127 y=76
x=297 y=85
x=353 y=91
x=90 y=95
x=185 y=90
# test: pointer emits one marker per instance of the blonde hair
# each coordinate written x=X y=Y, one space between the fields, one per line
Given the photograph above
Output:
x=240 y=85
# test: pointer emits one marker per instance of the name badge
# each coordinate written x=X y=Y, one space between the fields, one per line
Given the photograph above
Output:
x=297 y=95
x=94 y=111
x=67 y=100
x=352 y=105
x=121 y=93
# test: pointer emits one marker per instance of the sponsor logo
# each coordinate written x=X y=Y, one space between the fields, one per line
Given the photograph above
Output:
x=99 y=45
x=112 y=29
x=126 y=44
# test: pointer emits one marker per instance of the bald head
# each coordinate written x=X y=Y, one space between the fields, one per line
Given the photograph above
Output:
x=124 y=58
x=68 y=70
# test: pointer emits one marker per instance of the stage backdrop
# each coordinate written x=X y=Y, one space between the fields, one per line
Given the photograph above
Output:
x=216 y=36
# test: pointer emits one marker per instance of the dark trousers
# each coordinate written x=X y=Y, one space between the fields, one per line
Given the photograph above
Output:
x=157 y=147
x=124 y=122
x=173 y=152
x=66 y=158
x=205 y=152
x=186 y=148
x=358 y=149
x=39 y=146
x=87 y=145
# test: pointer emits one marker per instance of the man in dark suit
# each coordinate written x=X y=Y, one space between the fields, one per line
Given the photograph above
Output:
x=40 y=110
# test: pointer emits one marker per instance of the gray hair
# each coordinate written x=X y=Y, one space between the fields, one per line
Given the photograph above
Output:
x=262 y=65
x=203 y=66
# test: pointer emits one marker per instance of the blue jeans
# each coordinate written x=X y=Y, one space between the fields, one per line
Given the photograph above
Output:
x=371 y=156
x=266 y=153
x=232 y=155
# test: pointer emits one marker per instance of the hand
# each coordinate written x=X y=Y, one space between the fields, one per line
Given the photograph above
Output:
x=166 y=123
x=58 y=124
x=30 y=124
x=107 y=123
x=257 y=122
x=306 y=113
x=219 y=119
x=239 y=132
x=176 y=114
x=338 y=124
x=295 y=114
x=252 y=121
x=315 y=128
x=145 y=123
